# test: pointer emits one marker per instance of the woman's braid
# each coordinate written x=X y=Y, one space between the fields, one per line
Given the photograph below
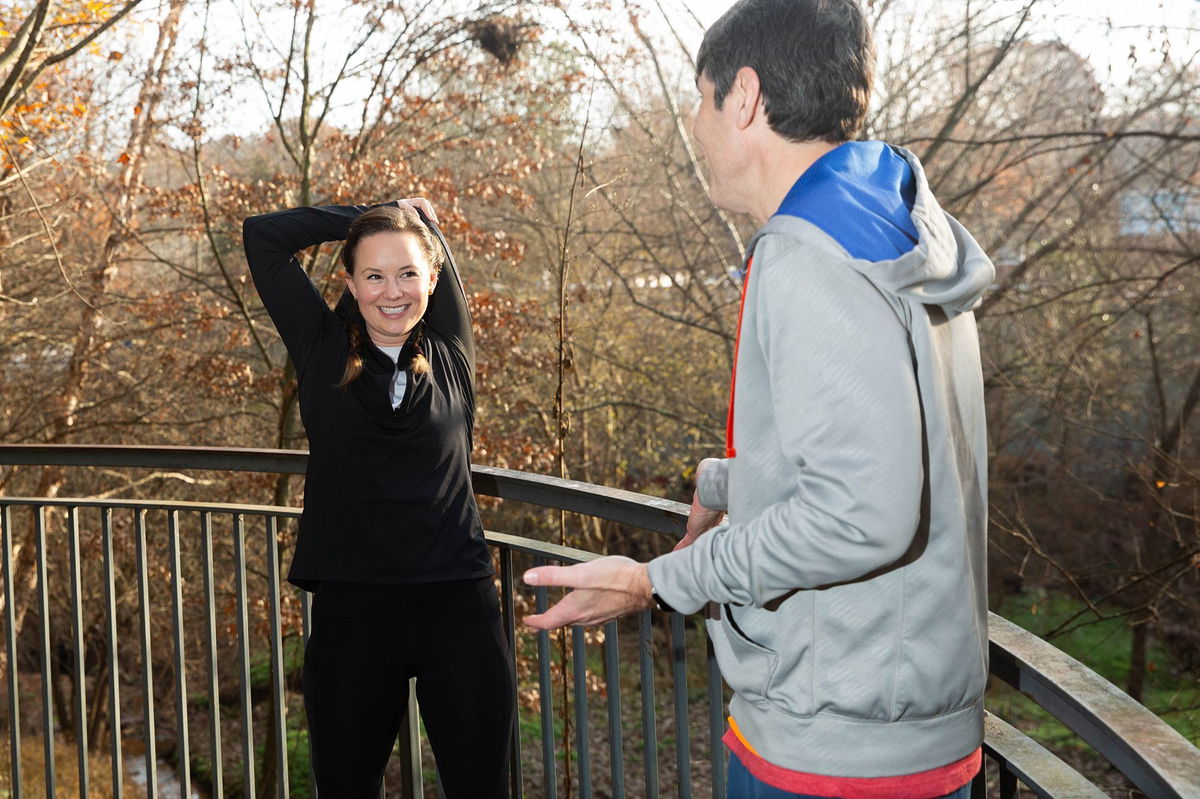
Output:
x=354 y=361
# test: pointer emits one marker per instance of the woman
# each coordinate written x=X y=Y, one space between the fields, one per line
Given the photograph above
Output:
x=390 y=539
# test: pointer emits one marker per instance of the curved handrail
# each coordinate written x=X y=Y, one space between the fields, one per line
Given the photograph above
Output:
x=516 y=543
x=625 y=507
x=1040 y=769
x=1150 y=753
x=1155 y=758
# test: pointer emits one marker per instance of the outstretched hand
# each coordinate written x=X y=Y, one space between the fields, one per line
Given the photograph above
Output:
x=605 y=589
x=422 y=204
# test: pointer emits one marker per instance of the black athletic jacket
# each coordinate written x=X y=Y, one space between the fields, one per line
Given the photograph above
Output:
x=387 y=495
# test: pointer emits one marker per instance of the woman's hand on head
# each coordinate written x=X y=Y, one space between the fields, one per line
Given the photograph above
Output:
x=421 y=204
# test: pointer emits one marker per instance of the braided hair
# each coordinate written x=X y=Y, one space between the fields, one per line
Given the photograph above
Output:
x=419 y=363
x=387 y=219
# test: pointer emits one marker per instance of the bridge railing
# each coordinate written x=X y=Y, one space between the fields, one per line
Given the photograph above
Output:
x=120 y=573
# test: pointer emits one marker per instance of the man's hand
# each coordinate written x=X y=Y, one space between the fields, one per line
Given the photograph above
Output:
x=700 y=519
x=605 y=589
x=423 y=204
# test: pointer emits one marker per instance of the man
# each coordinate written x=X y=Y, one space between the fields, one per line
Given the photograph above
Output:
x=851 y=572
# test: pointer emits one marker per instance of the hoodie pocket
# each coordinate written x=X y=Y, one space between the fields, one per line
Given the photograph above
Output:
x=746 y=665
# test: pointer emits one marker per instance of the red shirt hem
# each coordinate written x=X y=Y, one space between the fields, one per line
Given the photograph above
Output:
x=922 y=785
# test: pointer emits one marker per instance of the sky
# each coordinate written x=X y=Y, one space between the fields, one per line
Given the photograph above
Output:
x=1106 y=32
x=1103 y=31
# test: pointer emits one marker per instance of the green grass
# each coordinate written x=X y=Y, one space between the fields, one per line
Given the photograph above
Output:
x=1104 y=646
x=260 y=664
x=299 y=772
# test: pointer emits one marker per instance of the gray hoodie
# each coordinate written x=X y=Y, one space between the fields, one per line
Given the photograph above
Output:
x=851 y=572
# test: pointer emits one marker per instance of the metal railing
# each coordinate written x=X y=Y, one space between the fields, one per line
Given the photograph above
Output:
x=124 y=573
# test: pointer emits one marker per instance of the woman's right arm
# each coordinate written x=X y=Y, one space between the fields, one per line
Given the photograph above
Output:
x=271 y=242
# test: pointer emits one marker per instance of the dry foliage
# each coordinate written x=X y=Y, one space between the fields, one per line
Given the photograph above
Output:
x=127 y=315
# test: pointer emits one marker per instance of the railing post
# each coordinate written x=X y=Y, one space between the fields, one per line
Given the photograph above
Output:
x=277 y=666
x=306 y=620
x=44 y=611
x=545 y=694
x=579 y=685
x=515 y=784
x=649 y=720
x=184 y=759
x=10 y=651
x=1008 y=782
x=716 y=720
x=214 y=687
x=143 y=582
x=612 y=680
x=114 y=675
x=243 y=627
x=81 y=739
x=683 y=754
x=411 y=777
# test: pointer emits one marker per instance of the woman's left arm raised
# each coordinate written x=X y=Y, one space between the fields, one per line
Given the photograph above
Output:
x=448 y=313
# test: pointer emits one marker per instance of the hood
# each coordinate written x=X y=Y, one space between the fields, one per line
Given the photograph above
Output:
x=946 y=267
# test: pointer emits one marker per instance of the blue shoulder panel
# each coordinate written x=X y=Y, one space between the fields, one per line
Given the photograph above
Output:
x=861 y=194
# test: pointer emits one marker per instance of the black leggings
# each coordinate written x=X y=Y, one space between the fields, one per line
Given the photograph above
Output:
x=366 y=641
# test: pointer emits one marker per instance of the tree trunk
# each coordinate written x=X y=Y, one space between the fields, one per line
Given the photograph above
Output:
x=1137 y=657
x=70 y=394
x=98 y=712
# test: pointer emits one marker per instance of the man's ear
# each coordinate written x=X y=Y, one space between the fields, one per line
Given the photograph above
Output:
x=746 y=93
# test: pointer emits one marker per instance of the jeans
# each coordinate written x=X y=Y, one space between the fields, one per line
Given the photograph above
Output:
x=741 y=784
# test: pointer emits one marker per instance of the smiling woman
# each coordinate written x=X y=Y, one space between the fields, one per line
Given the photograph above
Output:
x=391 y=285
x=390 y=540
x=392 y=264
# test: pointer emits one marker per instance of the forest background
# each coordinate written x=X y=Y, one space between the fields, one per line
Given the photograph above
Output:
x=553 y=139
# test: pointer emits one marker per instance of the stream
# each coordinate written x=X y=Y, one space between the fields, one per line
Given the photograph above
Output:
x=168 y=780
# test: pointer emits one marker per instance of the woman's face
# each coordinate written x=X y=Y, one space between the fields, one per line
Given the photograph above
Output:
x=392 y=282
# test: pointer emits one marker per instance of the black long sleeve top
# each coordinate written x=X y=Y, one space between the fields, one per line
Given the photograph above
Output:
x=387 y=494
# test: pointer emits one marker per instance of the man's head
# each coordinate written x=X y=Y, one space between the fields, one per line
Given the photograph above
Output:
x=815 y=62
